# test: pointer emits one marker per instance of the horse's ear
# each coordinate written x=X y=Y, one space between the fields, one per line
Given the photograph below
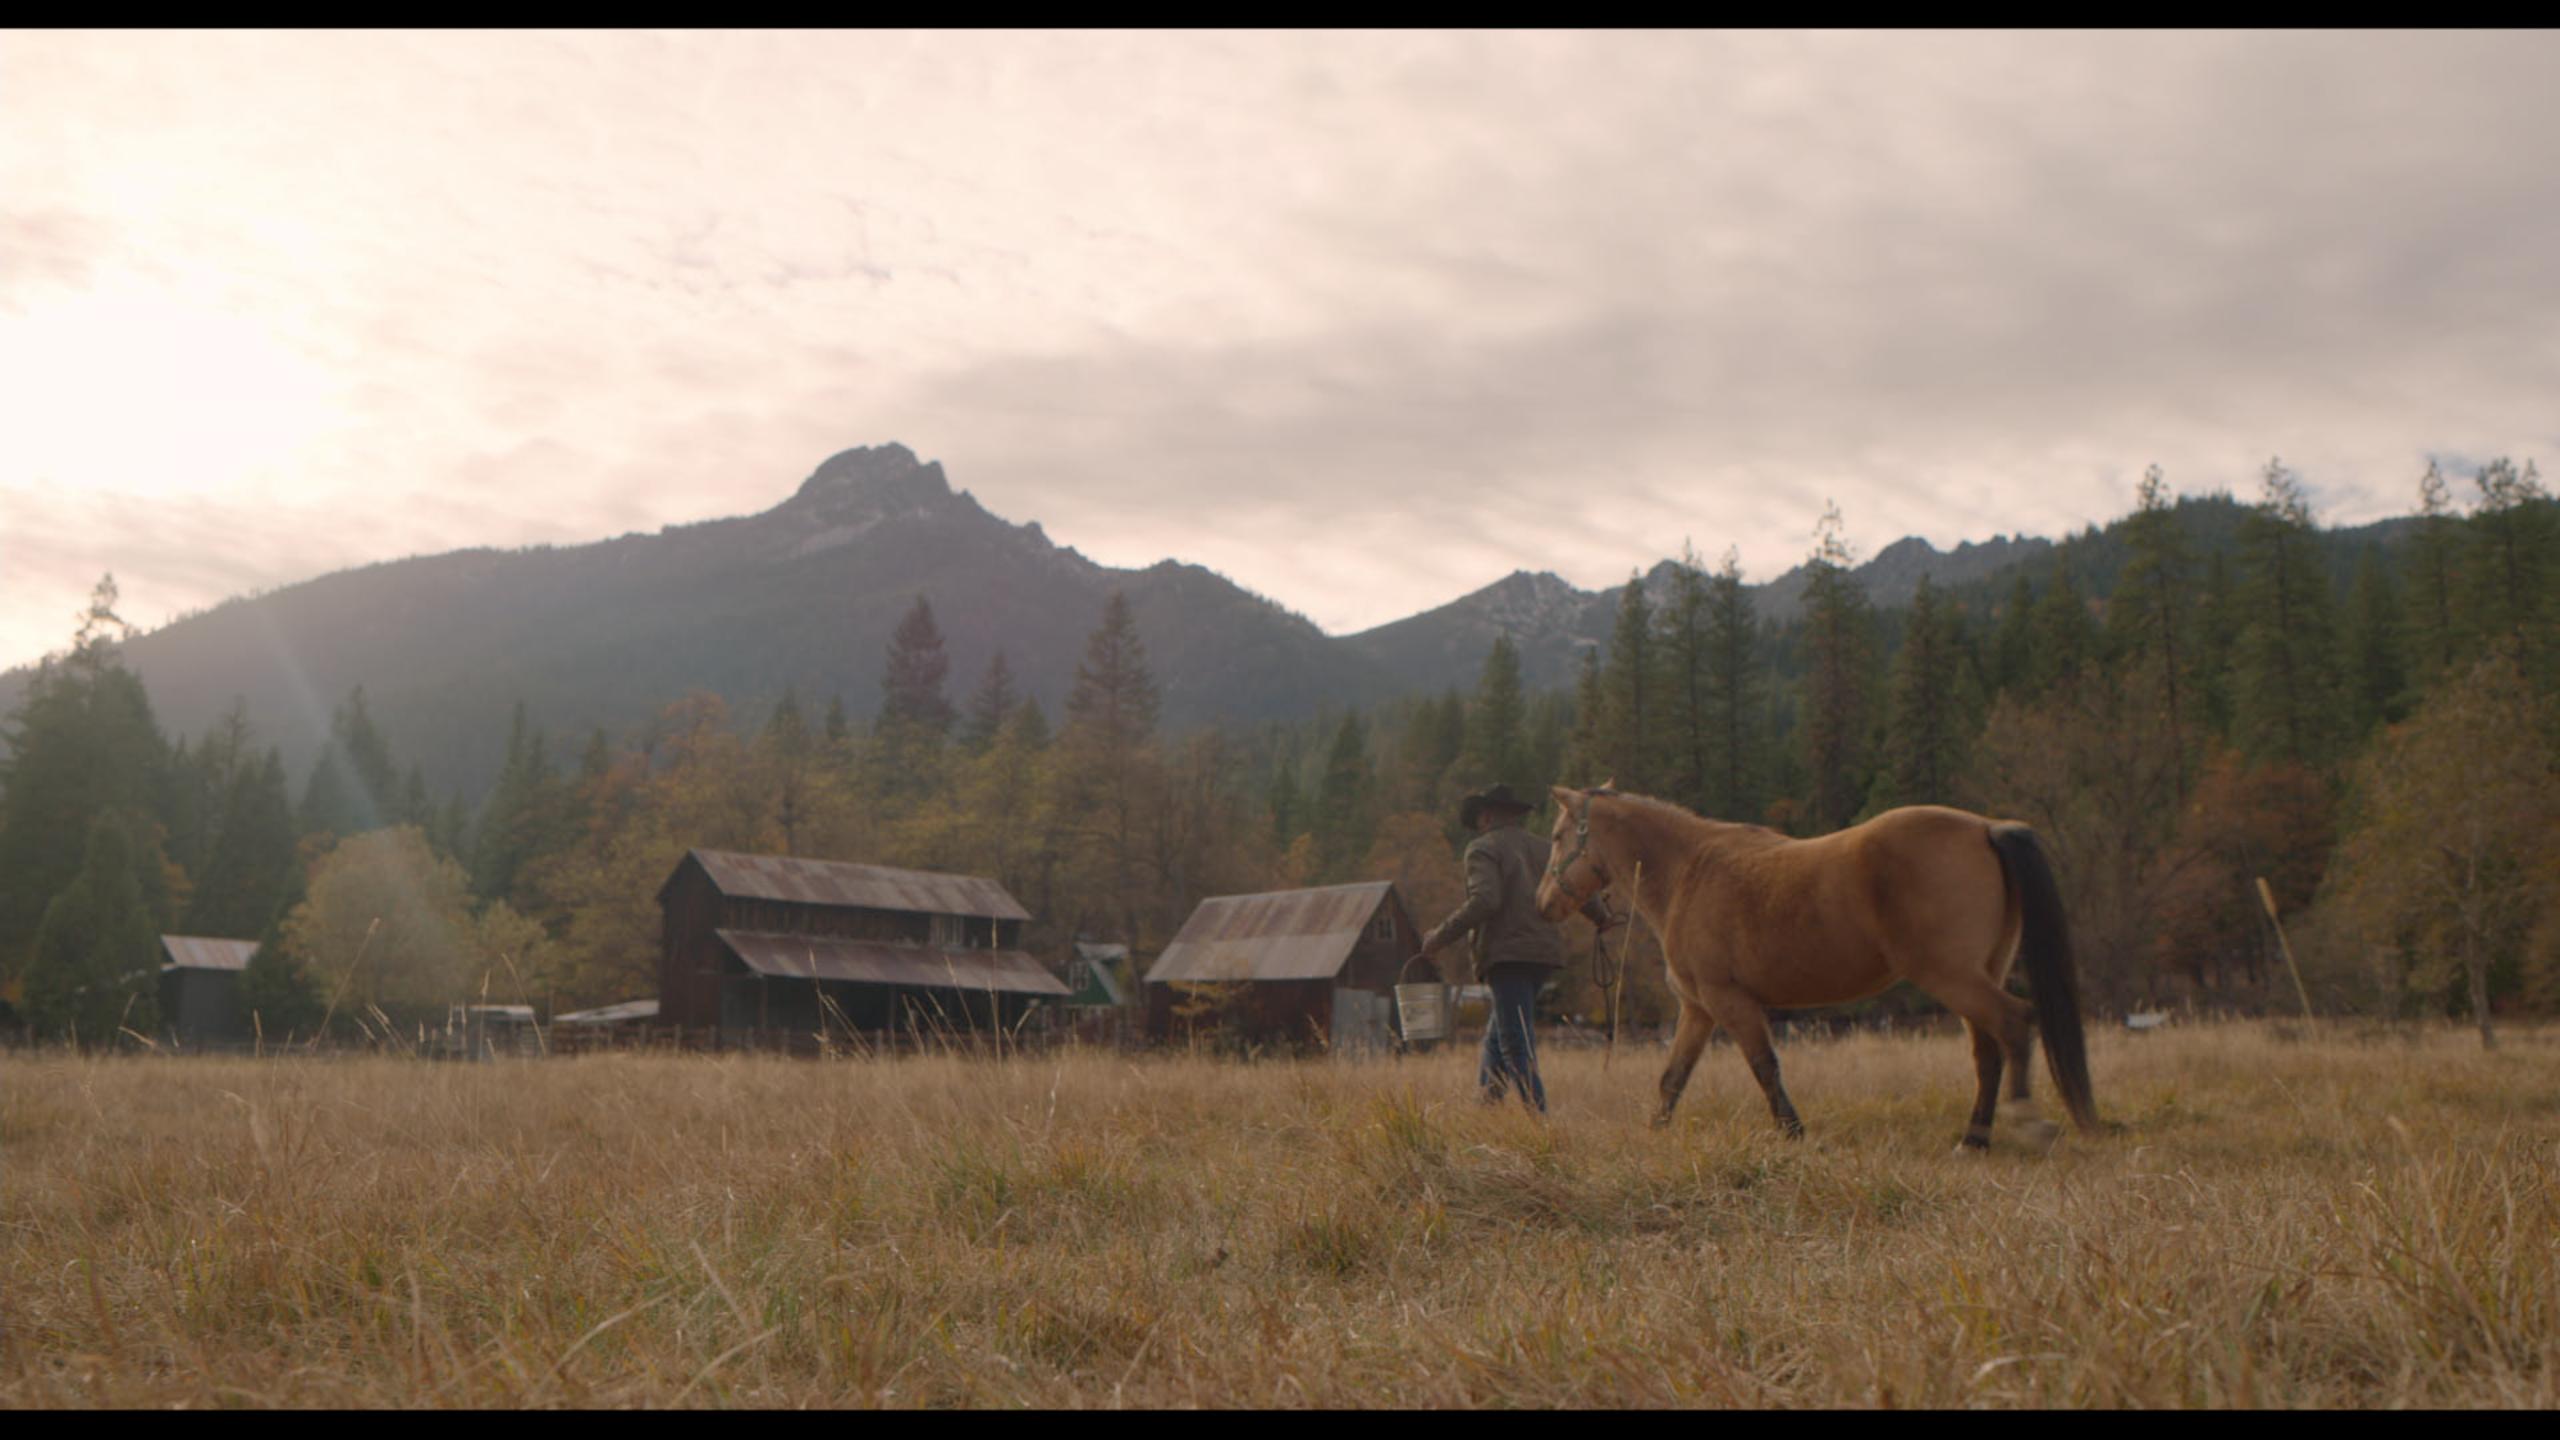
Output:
x=1608 y=786
x=1564 y=798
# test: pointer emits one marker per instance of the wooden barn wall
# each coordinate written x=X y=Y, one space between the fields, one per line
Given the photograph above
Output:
x=689 y=954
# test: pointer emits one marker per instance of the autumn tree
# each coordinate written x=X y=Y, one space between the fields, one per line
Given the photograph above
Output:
x=388 y=925
x=2093 y=776
x=2454 y=856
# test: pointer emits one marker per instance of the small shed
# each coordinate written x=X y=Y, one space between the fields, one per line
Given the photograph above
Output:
x=765 y=949
x=1093 y=976
x=1293 y=967
x=200 y=1003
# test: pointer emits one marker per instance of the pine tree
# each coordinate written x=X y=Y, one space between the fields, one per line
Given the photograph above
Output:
x=81 y=742
x=517 y=820
x=249 y=868
x=278 y=988
x=1288 y=810
x=1343 y=818
x=1495 y=749
x=450 y=832
x=915 y=719
x=2013 y=650
x=1929 y=719
x=2434 y=640
x=1631 y=723
x=1104 y=753
x=1585 y=758
x=2285 y=676
x=328 y=804
x=1840 y=648
x=911 y=684
x=2148 y=613
x=415 y=808
x=2066 y=639
x=1734 y=707
x=2515 y=554
x=786 y=756
x=989 y=708
x=95 y=970
x=2217 y=639
x=1688 y=730
x=2377 y=681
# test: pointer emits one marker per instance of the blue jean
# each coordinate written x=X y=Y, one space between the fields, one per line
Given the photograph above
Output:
x=1510 y=1036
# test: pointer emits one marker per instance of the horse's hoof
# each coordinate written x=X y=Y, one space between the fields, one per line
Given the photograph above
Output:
x=1659 y=1122
x=2040 y=1133
x=1970 y=1146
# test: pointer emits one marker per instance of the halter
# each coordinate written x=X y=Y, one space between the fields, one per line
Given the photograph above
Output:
x=1581 y=845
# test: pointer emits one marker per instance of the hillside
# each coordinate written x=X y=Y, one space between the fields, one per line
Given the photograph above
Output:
x=804 y=596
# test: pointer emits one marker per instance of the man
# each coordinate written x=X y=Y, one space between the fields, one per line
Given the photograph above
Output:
x=1515 y=950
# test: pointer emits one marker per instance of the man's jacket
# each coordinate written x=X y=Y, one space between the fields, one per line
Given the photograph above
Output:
x=1504 y=865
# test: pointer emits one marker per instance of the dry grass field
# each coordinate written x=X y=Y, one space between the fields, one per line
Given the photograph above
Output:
x=2332 y=1221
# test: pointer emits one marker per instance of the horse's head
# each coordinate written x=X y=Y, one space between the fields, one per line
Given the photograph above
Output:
x=1574 y=874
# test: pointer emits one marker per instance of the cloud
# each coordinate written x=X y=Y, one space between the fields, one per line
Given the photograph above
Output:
x=1364 y=321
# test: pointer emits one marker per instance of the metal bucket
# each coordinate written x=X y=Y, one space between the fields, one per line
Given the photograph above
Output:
x=1422 y=1011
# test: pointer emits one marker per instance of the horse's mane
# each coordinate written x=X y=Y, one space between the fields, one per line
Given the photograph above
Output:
x=1685 y=822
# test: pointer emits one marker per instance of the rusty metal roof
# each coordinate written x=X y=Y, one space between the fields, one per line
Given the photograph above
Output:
x=840 y=882
x=1284 y=935
x=195 y=952
x=833 y=957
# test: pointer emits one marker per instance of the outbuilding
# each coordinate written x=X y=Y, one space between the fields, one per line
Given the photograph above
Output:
x=200 y=1003
x=779 y=951
x=1299 y=968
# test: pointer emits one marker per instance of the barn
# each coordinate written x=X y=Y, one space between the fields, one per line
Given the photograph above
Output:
x=200 y=1003
x=1300 y=968
x=776 y=950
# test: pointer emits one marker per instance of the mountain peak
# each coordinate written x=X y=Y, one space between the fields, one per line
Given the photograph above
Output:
x=878 y=479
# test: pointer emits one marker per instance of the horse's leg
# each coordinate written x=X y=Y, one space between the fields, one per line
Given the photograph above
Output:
x=2003 y=1028
x=2022 y=1057
x=1986 y=1098
x=1686 y=1044
x=1748 y=1024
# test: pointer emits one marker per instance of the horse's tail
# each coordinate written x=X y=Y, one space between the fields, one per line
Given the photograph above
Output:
x=2044 y=941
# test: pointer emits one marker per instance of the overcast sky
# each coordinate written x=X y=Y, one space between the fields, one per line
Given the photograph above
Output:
x=1363 y=321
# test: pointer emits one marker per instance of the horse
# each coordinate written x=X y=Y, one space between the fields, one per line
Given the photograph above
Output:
x=1749 y=918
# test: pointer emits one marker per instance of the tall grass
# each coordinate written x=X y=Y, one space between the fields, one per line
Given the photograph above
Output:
x=2330 y=1221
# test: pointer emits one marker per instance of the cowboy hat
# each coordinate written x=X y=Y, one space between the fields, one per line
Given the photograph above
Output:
x=1499 y=797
